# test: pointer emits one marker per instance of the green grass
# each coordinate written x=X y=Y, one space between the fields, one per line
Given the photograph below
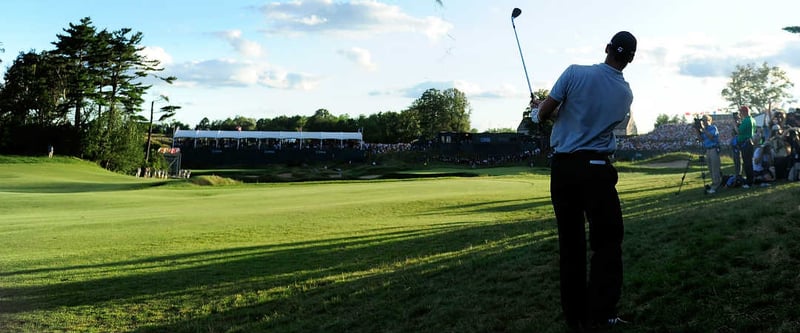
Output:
x=86 y=250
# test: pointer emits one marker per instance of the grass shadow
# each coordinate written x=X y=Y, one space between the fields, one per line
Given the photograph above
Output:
x=293 y=280
x=78 y=187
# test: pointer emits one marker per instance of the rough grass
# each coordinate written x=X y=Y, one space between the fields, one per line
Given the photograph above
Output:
x=93 y=251
x=213 y=180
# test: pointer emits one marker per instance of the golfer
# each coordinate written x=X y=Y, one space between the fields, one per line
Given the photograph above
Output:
x=586 y=103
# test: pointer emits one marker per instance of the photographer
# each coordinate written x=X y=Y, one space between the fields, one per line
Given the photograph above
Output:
x=763 y=168
x=710 y=135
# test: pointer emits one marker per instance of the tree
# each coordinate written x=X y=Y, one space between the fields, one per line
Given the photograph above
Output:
x=540 y=130
x=115 y=70
x=166 y=113
x=168 y=129
x=204 y=124
x=122 y=68
x=32 y=112
x=757 y=87
x=244 y=123
x=541 y=94
x=322 y=120
x=663 y=119
x=794 y=30
x=127 y=140
x=501 y=130
x=390 y=127
x=33 y=92
x=345 y=124
x=284 y=123
x=95 y=75
x=405 y=127
x=73 y=54
x=441 y=111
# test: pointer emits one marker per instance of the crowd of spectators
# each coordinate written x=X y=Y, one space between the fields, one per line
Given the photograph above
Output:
x=777 y=144
x=677 y=137
x=492 y=160
x=383 y=148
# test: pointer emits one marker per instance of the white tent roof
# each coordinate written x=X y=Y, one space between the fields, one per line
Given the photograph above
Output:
x=759 y=118
x=267 y=135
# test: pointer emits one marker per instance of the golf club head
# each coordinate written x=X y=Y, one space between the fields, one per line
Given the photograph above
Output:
x=516 y=12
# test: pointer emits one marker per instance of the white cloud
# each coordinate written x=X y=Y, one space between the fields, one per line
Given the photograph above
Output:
x=359 y=56
x=472 y=90
x=234 y=73
x=700 y=56
x=157 y=53
x=244 y=47
x=356 y=18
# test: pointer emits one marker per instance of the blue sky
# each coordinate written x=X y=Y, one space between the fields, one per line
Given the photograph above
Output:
x=263 y=59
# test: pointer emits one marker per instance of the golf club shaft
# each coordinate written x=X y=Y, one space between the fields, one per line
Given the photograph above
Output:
x=522 y=57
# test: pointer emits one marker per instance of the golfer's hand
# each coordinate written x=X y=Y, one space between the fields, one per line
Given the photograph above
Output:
x=534 y=104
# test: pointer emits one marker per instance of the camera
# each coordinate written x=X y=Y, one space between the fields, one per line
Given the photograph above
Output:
x=736 y=117
x=698 y=123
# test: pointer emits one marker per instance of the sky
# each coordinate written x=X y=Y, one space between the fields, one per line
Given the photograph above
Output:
x=264 y=59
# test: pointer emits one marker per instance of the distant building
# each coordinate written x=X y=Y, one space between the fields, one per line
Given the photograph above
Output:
x=627 y=127
x=525 y=123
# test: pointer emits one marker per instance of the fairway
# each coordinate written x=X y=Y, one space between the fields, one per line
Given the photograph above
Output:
x=86 y=250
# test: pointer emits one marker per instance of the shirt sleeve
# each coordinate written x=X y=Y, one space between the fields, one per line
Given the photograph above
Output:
x=561 y=87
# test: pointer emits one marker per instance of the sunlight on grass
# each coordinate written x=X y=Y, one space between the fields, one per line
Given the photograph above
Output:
x=105 y=252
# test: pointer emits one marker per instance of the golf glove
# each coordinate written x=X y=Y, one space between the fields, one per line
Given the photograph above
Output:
x=535 y=115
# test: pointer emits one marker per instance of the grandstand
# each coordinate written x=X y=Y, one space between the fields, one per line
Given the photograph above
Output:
x=277 y=139
x=204 y=148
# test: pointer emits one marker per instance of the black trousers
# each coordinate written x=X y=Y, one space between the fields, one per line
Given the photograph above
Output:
x=747 y=161
x=583 y=188
x=782 y=167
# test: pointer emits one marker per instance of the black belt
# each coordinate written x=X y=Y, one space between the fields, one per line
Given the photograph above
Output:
x=584 y=155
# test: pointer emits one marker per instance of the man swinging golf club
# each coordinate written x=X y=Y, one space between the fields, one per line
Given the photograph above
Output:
x=586 y=103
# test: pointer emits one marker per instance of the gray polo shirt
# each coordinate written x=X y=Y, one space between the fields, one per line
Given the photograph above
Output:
x=594 y=99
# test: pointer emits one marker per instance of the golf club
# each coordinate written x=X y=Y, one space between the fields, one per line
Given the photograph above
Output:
x=514 y=14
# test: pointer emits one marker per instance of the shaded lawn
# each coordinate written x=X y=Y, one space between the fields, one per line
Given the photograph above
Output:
x=434 y=255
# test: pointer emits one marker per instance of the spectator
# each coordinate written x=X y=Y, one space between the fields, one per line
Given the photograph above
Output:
x=710 y=134
x=747 y=130
x=763 y=170
x=781 y=151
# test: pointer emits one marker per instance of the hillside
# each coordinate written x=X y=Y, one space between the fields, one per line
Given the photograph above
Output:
x=62 y=174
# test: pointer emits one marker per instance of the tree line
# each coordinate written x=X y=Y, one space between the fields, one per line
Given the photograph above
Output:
x=84 y=98
x=435 y=111
x=81 y=97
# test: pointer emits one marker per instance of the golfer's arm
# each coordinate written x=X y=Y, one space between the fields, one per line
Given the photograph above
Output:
x=547 y=108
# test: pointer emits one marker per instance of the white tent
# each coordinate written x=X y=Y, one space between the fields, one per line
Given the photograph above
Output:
x=759 y=118
x=198 y=134
x=266 y=135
